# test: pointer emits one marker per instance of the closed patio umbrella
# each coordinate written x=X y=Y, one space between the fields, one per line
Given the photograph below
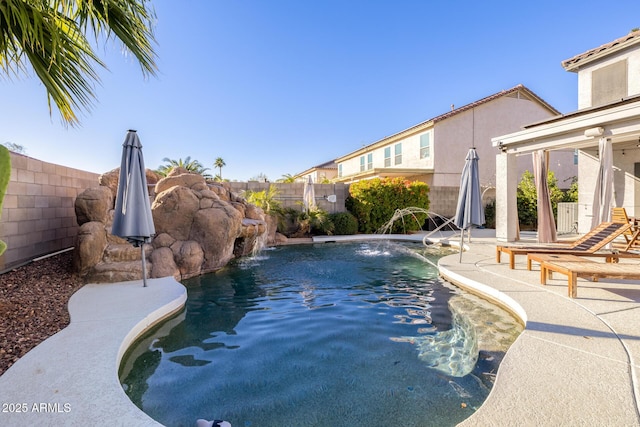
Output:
x=309 y=195
x=469 y=210
x=603 y=193
x=132 y=218
x=546 y=223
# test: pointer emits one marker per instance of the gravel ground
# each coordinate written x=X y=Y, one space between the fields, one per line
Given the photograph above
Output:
x=33 y=305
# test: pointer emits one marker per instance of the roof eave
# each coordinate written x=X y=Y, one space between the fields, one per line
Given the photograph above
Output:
x=574 y=64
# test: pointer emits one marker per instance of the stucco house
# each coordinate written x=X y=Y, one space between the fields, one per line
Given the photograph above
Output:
x=609 y=107
x=434 y=151
x=323 y=172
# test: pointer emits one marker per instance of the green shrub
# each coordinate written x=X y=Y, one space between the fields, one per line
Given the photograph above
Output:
x=571 y=195
x=320 y=222
x=5 y=174
x=295 y=223
x=490 y=214
x=528 y=199
x=344 y=223
x=373 y=202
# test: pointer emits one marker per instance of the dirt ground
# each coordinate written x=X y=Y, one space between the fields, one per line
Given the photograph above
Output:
x=33 y=305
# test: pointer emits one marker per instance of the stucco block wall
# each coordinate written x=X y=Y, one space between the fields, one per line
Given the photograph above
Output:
x=443 y=200
x=290 y=194
x=38 y=215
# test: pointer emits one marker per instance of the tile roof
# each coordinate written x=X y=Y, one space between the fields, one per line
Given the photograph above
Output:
x=573 y=64
x=500 y=94
x=521 y=89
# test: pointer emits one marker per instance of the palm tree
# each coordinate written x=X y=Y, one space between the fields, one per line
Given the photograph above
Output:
x=287 y=178
x=219 y=163
x=50 y=37
x=188 y=164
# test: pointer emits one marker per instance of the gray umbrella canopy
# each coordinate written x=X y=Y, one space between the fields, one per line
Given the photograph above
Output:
x=469 y=210
x=132 y=218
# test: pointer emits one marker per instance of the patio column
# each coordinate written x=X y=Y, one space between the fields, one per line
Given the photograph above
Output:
x=506 y=201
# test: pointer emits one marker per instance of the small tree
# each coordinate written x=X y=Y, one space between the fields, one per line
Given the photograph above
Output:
x=571 y=195
x=265 y=199
x=528 y=198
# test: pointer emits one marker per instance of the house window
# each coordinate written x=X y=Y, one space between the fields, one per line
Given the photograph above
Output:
x=425 y=146
x=387 y=157
x=361 y=163
x=575 y=156
x=369 y=161
x=609 y=83
x=398 y=154
x=340 y=170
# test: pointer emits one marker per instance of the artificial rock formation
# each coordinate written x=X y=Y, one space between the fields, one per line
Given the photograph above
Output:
x=200 y=227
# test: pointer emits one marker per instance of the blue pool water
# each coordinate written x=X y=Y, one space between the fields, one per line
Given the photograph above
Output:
x=337 y=334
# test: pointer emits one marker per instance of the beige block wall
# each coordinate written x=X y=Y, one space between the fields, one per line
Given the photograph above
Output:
x=290 y=194
x=38 y=215
x=443 y=200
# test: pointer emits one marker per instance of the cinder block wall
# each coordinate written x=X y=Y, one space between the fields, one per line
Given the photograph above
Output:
x=290 y=194
x=443 y=200
x=38 y=215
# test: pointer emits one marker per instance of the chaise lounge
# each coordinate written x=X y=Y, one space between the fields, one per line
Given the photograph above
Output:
x=589 y=244
x=574 y=267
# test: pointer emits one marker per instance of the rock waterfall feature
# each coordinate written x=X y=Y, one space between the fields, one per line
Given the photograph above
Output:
x=200 y=227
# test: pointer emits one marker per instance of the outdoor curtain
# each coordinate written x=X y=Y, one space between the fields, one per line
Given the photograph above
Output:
x=603 y=193
x=546 y=223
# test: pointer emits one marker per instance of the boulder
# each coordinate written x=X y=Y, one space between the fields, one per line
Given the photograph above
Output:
x=189 y=257
x=173 y=212
x=216 y=229
x=184 y=180
x=163 y=264
x=220 y=191
x=110 y=180
x=163 y=240
x=90 y=245
x=254 y=212
x=93 y=204
x=110 y=272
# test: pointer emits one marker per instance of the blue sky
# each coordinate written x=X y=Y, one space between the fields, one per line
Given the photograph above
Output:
x=275 y=87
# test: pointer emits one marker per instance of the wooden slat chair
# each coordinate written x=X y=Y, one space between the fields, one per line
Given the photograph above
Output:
x=632 y=236
x=589 y=244
x=589 y=270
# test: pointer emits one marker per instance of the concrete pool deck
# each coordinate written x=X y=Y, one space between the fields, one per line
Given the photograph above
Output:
x=576 y=362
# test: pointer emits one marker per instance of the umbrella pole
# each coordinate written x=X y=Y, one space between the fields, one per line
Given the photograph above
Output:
x=461 y=243
x=144 y=267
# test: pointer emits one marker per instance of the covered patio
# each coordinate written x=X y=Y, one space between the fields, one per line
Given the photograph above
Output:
x=581 y=130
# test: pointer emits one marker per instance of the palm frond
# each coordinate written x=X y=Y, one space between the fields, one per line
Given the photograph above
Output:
x=48 y=37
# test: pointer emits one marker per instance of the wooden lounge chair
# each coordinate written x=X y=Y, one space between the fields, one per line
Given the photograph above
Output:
x=589 y=244
x=631 y=236
x=580 y=267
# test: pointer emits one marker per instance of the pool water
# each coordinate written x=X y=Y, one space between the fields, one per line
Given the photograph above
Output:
x=334 y=334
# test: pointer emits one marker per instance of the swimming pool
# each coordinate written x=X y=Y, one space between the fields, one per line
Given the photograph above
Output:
x=345 y=334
